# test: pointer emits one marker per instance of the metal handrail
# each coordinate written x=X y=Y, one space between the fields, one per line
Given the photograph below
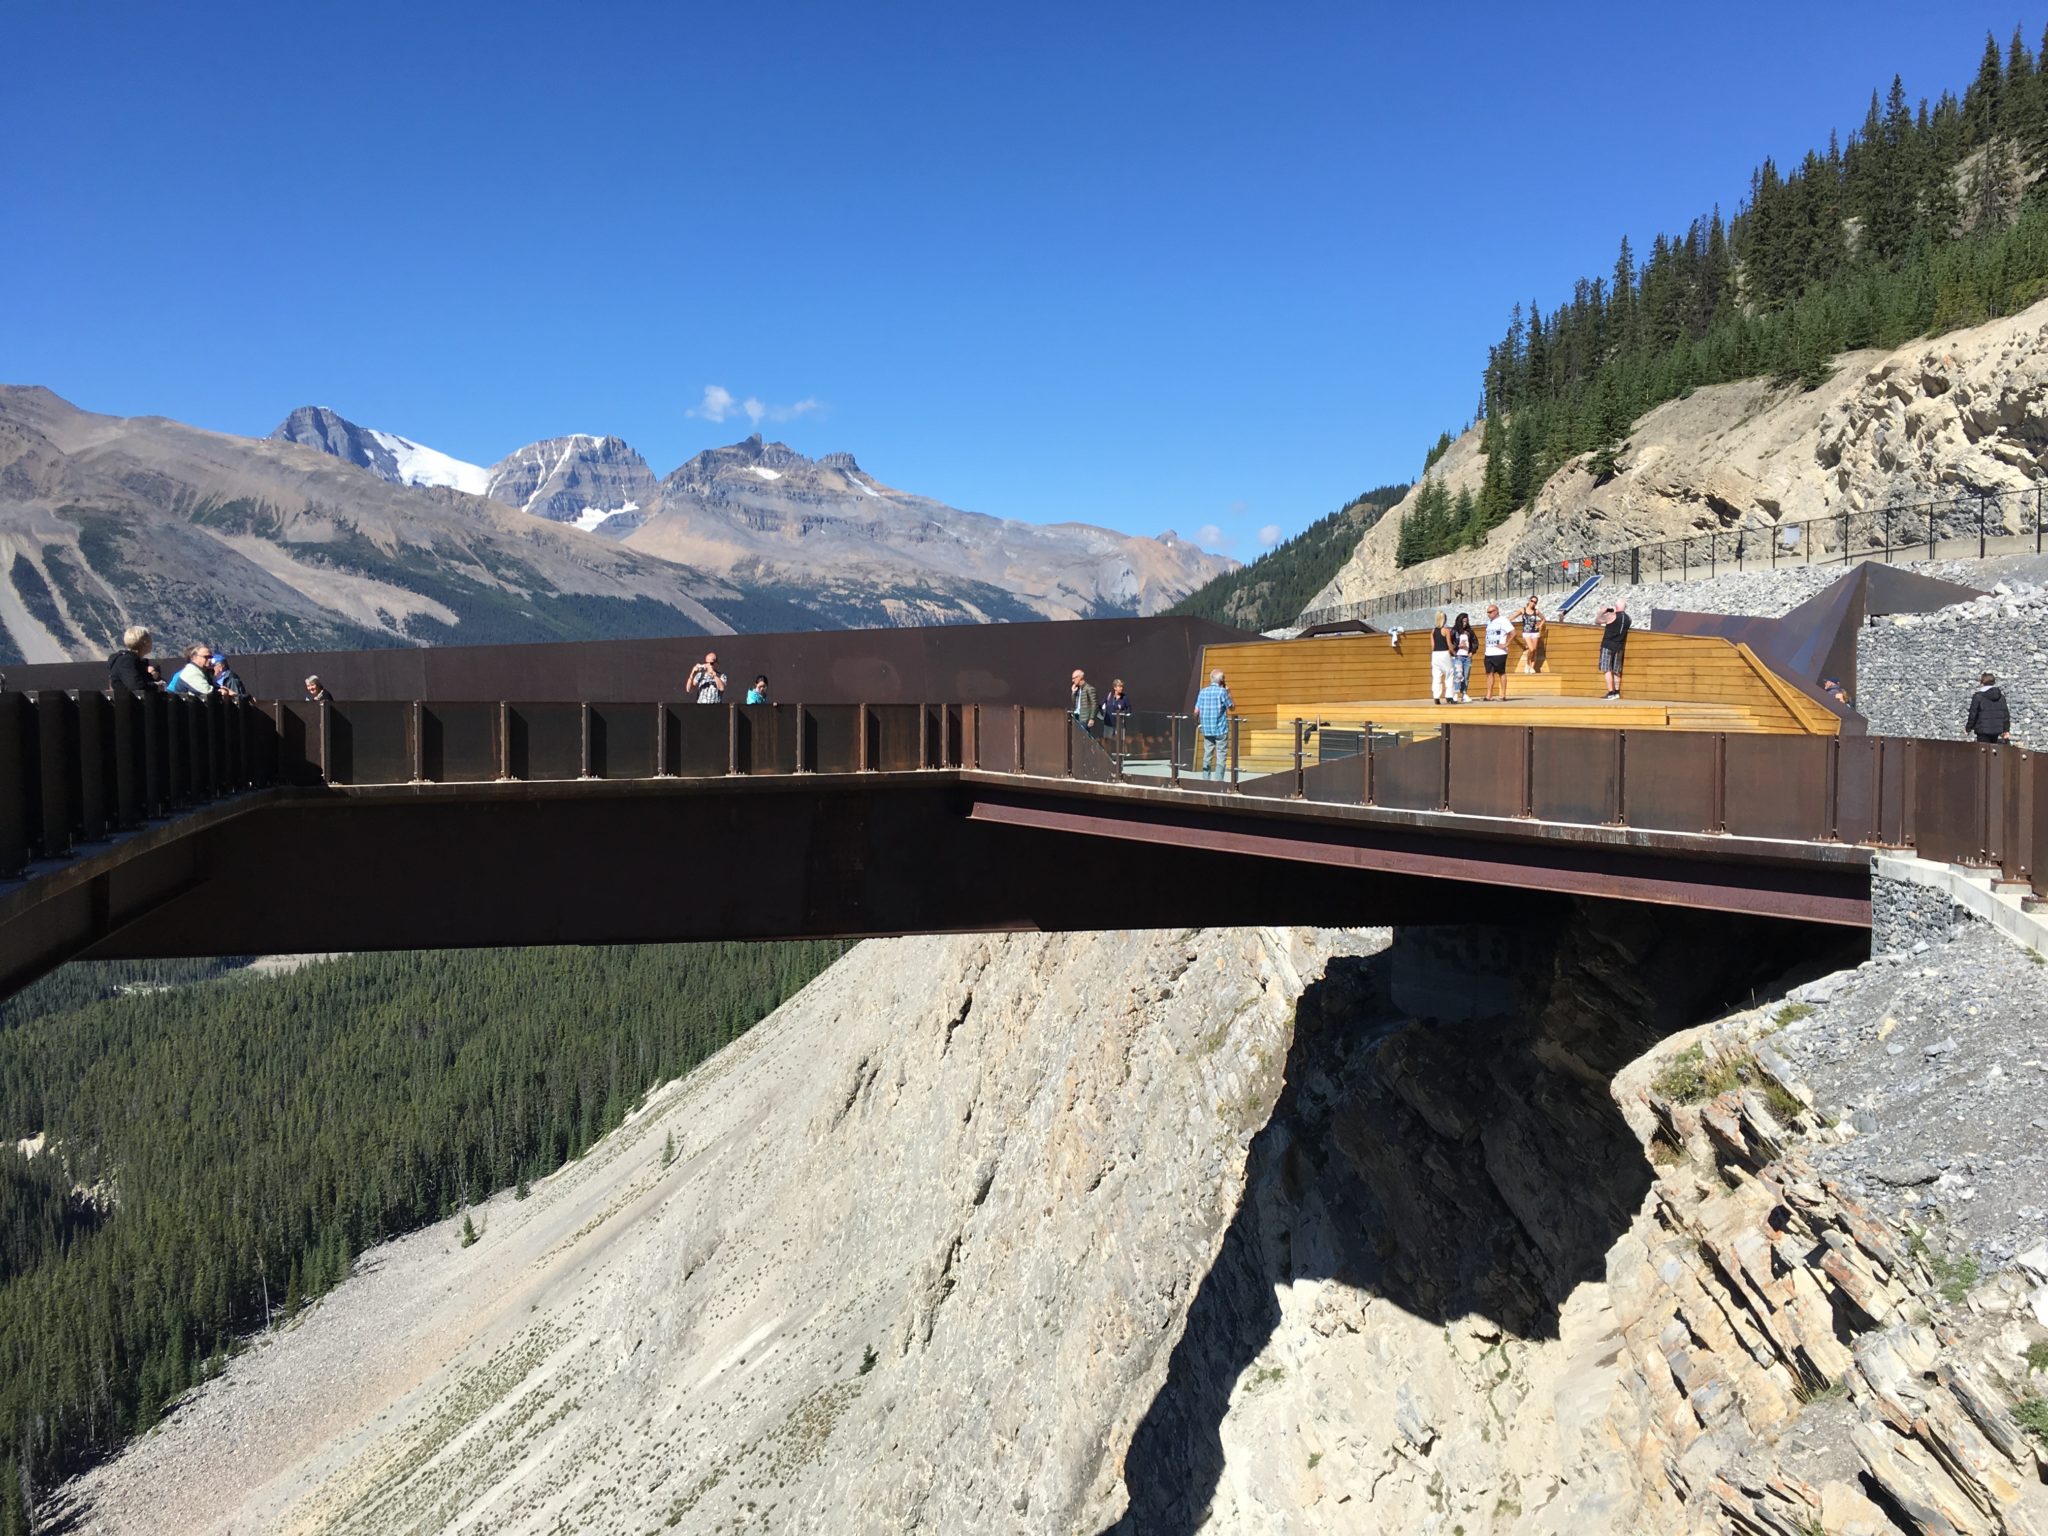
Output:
x=77 y=768
x=1894 y=531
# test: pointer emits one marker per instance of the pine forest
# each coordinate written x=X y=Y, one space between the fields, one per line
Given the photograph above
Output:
x=219 y=1147
x=1926 y=219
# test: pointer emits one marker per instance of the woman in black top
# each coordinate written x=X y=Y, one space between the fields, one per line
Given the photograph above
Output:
x=1440 y=661
x=1464 y=646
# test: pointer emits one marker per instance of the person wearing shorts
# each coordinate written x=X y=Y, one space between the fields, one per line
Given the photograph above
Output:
x=1614 y=628
x=1499 y=631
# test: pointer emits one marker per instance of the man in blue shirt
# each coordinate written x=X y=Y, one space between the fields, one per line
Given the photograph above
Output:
x=1212 y=718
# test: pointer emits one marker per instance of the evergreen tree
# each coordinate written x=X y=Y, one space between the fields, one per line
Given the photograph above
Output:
x=668 y=1149
x=1981 y=103
x=468 y=1231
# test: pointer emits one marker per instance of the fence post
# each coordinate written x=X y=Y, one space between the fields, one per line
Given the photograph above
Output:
x=1173 y=749
x=1930 y=530
x=1621 y=778
x=1980 y=527
x=1300 y=784
x=1718 y=813
x=1367 y=733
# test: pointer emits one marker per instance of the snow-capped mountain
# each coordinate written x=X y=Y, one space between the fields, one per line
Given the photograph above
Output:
x=386 y=455
x=597 y=483
x=814 y=540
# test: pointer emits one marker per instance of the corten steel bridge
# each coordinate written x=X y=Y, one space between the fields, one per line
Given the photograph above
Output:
x=145 y=825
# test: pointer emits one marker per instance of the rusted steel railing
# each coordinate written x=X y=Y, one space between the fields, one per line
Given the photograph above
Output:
x=78 y=768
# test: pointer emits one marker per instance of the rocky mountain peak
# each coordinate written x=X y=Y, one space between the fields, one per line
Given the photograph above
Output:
x=598 y=483
x=399 y=460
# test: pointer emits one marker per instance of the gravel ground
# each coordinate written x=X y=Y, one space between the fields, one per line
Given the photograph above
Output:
x=1938 y=1059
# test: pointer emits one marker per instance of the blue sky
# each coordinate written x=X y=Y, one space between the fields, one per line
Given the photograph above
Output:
x=1151 y=266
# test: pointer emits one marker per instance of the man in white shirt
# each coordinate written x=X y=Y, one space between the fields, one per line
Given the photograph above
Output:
x=1498 y=632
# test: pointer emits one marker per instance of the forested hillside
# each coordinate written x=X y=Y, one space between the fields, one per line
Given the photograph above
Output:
x=1277 y=586
x=219 y=1152
x=1925 y=218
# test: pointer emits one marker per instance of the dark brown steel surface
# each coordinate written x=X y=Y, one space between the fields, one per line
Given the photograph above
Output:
x=1489 y=769
x=981 y=663
x=832 y=738
x=461 y=743
x=2022 y=789
x=1044 y=741
x=1668 y=780
x=1777 y=786
x=545 y=741
x=1947 y=795
x=1409 y=775
x=1575 y=776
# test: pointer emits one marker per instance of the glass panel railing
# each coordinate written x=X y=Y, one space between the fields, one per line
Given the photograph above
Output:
x=1147 y=743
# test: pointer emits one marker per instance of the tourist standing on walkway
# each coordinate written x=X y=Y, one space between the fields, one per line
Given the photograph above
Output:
x=706 y=681
x=130 y=667
x=225 y=678
x=1498 y=633
x=1212 y=719
x=758 y=694
x=1614 y=628
x=1116 y=707
x=1464 y=643
x=196 y=676
x=1990 y=717
x=1086 y=709
x=1439 y=660
x=1532 y=625
x=316 y=691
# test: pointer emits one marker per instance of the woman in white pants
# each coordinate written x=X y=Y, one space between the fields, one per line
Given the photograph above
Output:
x=1440 y=689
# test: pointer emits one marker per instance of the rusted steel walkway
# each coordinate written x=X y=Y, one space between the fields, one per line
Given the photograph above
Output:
x=144 y=825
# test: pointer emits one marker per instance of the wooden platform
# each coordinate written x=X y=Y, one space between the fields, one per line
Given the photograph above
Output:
x=1678 y=682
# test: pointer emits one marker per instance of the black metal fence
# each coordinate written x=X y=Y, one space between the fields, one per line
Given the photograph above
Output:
x=1967 y=526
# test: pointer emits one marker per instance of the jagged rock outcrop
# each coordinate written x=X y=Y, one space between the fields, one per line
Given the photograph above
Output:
x=1167 y=1233
x=1932 y=421
x=267 y=543
x=827 y=532
x=598 y=483
x=397 y=460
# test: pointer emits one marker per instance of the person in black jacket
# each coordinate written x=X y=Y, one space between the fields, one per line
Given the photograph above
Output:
x=130 y=666
x=1990 y=719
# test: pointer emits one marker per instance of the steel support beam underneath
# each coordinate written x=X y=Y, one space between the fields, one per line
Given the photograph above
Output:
x=667 y=860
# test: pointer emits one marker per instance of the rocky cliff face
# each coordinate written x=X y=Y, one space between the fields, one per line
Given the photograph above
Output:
x=1939 y=419
x=1184 y=1232
x=597 y=483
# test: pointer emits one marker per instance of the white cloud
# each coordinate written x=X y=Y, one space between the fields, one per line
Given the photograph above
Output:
x=716 y=405
x=759 y=411
x=1269 y=535
x=1209 y=536
x=720 y=404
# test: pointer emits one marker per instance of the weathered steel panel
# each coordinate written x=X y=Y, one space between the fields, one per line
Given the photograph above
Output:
x=1489 y=769
x=1668 y=780
x=545 y=741
x=1045 y=741
x=460 y=743
x=20 y=781
x=832 y=738
x=622 y=741
x=699 y=740
x=1575 y=776
x=896 y=737
x=1409 y=775
x=368 y=742
x=1946 y=806
x=1777 y=786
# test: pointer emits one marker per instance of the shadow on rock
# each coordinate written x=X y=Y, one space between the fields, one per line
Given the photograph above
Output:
x=1459 y=1170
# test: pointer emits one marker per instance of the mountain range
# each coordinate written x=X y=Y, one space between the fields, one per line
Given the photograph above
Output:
x=332 y=535
x=823 y=534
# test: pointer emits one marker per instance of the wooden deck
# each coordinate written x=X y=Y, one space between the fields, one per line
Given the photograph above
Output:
x=1675 y=682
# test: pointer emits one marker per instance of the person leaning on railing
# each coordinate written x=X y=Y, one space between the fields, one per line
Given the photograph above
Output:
x=196 y=676
x=1116 y=709
x=1212 y=719
x=130 y=667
